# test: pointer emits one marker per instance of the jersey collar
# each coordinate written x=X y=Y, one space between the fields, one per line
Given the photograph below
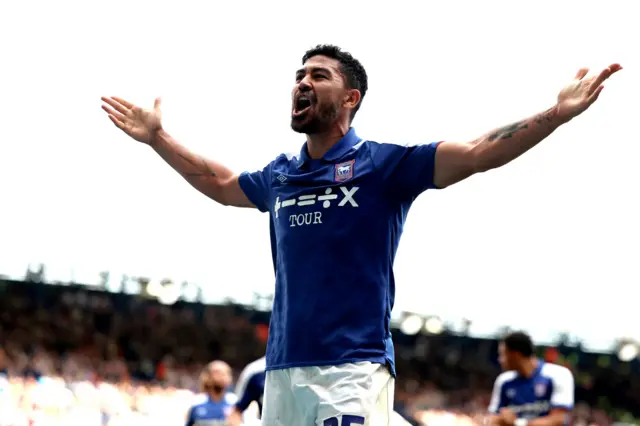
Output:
x=535 y=372
x=347 y=142
x=539 y=368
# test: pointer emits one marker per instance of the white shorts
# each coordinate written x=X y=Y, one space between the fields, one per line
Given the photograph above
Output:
x=342 y=395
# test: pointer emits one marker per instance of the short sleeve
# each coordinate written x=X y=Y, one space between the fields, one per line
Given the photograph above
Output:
x=407 y=171
x=242 y=383
x=257 y=186
x=248 y=394
x=496 y=397
x=562 y=395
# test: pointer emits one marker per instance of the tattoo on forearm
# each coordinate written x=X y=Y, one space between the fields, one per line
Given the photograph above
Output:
x=203 y=170
x=198 y=174
x=545 y=117
x=507 y=132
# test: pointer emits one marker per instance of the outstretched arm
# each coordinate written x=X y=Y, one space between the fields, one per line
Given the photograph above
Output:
x=457 y=161
x=145 y=126
x=207 y=176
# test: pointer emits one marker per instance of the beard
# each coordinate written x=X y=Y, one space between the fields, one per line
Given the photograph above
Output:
x=213 y=388
x=318 y=119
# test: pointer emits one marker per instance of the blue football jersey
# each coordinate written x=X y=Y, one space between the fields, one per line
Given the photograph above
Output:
x=551 y=386
x=335 y=227
x=210 y=412
x=250 y=386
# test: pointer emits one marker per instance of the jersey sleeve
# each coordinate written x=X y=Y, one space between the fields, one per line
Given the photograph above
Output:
x=562 y=395
x=496 y=402
x=257 y=186
x=243 y=381
x=407 y=171
x=248 y=394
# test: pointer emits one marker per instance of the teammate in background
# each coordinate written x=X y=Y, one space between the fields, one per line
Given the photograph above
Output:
x=249 y=389
x=215 y=379
x=530 y=392
x=337 y=213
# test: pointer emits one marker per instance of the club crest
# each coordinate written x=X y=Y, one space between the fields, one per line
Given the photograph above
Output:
x=344 y=171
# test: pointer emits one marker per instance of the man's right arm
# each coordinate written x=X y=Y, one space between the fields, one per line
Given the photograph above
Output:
x=493 y=417
x=209 y=177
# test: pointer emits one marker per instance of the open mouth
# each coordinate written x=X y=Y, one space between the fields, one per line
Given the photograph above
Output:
x=301 y=106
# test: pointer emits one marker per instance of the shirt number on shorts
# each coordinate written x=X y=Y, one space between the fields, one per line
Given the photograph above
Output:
x=347 y=420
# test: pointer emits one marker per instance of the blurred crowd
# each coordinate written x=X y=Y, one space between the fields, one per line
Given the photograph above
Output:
x=69 y=355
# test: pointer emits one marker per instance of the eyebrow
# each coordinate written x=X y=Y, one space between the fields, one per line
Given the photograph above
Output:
x=314 y=69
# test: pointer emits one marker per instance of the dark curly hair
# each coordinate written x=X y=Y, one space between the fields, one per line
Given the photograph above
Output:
x=520 y=342
x=353 y=71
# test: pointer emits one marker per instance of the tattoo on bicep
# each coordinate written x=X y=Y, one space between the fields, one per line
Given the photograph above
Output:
x=507 y=132
x=203 y=170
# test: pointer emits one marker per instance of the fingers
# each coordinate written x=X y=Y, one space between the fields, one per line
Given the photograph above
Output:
x=117 y=104
x=156 y=103
x=114 y=113
x=116 y=117
x=594 y=96
x=117 y=122
x=615 y=68
x=123 y=102
x=605 y=74
x=581 y=73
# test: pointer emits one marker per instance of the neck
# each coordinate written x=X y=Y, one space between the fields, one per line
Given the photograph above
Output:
x=527 y=367
x=214 y=396
x=319 y=143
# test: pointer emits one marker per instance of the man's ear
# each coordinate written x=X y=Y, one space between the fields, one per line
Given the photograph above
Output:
x=351 y=99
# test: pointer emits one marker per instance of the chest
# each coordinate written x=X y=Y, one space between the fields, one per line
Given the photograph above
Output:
x=522 y=393
x=211 y=414
x=307 y=201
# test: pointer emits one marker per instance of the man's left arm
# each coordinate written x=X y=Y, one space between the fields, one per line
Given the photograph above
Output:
x=457 y=161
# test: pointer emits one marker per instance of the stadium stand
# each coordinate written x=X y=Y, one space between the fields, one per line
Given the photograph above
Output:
x=71 y=356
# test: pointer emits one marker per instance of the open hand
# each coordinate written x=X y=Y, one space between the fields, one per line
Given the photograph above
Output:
x=141 y=124
x=578 y=95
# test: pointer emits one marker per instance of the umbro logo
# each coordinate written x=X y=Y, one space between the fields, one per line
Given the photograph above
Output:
x=281 y=178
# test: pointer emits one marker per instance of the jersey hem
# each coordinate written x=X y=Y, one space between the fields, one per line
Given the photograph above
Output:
x=377 y=360
x=564 y=407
